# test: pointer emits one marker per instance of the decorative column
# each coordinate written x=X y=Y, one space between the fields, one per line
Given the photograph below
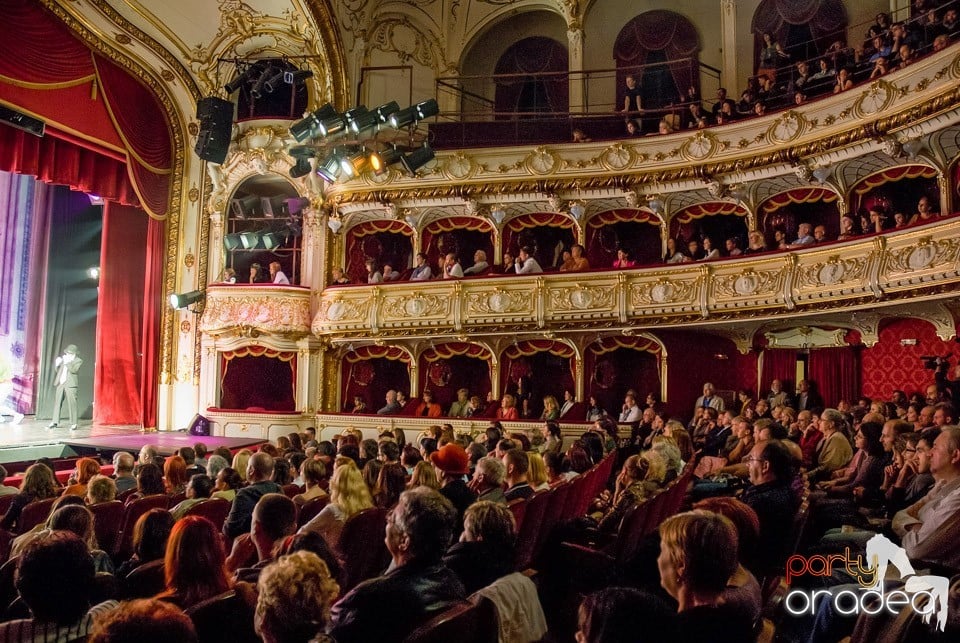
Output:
x=577 y=81
x=313 y=258
x=448 y=99
x=215 y=257
x=729 y=38
x=209 y=372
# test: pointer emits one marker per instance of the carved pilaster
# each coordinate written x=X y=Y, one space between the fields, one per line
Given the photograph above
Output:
x=314 y=258
x=575 y=65
x=729 y=38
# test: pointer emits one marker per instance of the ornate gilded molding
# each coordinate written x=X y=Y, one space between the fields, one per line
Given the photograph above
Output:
x=252 y=311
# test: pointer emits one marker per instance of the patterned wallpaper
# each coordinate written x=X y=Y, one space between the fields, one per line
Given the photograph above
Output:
x=889 y=365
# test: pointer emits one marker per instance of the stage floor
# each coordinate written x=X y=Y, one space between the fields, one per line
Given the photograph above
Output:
x=26 y=441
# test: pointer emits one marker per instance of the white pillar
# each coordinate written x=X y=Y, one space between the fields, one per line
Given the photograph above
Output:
x=574 y=66
x=728 y=29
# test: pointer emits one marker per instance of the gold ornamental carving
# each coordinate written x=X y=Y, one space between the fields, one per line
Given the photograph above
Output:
x=748 y=283
x=459 y=166
x=617 y=157
x=876 y=98
x=662 y=292
x=343 y=311
x=274 y=314
x=500 y=302
x=581 y=298
x=415 y=305
x=541 y=161
x=788 y=127
x=927 y=253
x=834 y=271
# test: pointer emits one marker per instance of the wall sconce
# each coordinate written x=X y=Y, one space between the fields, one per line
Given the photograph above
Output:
x=577 y=209
x=913 y=147
x=334 y=224
x=655 y=204
x=498 y=213
x=821 y=174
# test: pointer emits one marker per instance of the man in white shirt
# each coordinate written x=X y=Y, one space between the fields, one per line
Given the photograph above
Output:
x=568 y=402
x=276 y=275
x=631 y=411
x=451 y=267
x=479 y=263
x=804 y=238
x=526 y=264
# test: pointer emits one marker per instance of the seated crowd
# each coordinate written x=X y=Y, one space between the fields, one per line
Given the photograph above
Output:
x=875 y=220
x=286 y=553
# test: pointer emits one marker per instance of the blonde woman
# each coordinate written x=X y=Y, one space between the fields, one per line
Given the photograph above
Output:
x=508 y=408
x=537 y=472
x=551 y=409
x=240 y=462
x=424 y=475
x=349 y=495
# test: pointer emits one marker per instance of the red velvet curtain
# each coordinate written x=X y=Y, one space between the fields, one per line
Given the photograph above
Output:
x=128 y=317
x=836 y=372
x=150 y=335
x=653 y=31
x=826 y=19
x=258 y=382
x=778 y=364
x=74 y=89
x=384 y=241
x=535 y=55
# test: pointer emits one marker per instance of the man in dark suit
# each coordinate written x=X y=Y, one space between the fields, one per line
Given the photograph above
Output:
x=66 y=380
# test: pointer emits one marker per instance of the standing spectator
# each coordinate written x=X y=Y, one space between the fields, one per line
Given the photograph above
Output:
x=631 y=96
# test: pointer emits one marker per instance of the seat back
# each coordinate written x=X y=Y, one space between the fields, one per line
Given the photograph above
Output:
x=34 y=514
x=174 y=499
x=225 y=618
x=529 y=532
x=132 y=513
x=463 y=622
x=145 y=581
x=518 y=507
x=107 y=517
x=311 y=508
x=8 y=590
x=291 y=490
x=552 y=516
x=361 y=545
x=213 y=509
x=5 y=502
x=570 y=508
x=633 y=529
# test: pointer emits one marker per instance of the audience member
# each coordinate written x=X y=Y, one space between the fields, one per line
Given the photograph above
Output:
x=294 y=598
x=143 y=621
x=259 y=475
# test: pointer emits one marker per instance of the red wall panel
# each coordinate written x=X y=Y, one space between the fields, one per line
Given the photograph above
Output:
x=889 y=365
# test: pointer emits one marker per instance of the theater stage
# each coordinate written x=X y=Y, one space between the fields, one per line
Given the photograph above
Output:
x=29 y=440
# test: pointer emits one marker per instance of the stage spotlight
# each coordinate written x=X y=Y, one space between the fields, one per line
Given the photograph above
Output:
x=268 y=75
x=380 y=161
x=243 y=207
x=94 y=272
x=294 y=206
x=384 y=111
x=232 y=241
x=351 y=115
x=414 y=114
x=271 y=84
x=297 y=77
x=333 y=126
x=367 y=123
x=329 y=169
x=183 y=300
x=272 y=206
x=240 y=80
x=271 y=240
x=249 y=240
x=309 y=126
x=352 y=163
x=417 y=159
x=300 y=168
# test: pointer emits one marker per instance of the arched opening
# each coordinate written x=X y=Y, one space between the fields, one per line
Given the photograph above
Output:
x=533 y=369
x=534 y=78
x=892 y=192
x=614 y=365
x=255 y=378
x=547 y=234
x=782 y=214
x=261 y=229
x=634 y=230
x=369 y=372
x=386 y=242
x=462 y=236
x=719 y=221
x=446 y=368
x=661 y=49
x=804 y=30
x=265 y=91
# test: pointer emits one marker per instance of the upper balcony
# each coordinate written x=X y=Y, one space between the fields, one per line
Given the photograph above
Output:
x=922 y=261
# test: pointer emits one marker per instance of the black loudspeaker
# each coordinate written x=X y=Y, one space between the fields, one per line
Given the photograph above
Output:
x=199 y=425
x=216 y=125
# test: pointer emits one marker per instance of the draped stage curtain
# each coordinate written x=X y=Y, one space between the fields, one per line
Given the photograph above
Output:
x=535 y=55
x=778 y=364
x=128 y=314
x=74 y=89
x=658 y=30
x=383 y=241
x=836 y=372
x=257 y=378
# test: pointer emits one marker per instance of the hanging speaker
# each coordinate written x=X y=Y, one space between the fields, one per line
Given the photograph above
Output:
x=216 y=125
x=199 y=425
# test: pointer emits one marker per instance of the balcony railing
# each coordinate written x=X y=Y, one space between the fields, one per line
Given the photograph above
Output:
x=905 y=263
